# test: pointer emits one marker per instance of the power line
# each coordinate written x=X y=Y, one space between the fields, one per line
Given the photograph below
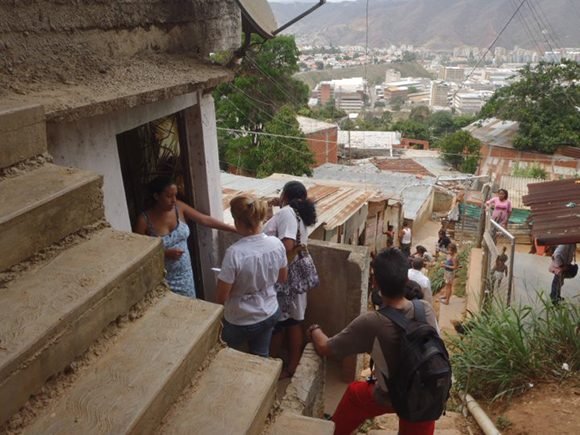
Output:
x=490 y=47
x=524 y=21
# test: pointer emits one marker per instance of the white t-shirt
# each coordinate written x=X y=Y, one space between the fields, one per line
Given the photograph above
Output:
x=425 y=283
x=252 y=265
x=406 y=239
x=284 y=225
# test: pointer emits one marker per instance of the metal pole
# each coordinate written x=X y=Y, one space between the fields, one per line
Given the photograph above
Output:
x=299 y=17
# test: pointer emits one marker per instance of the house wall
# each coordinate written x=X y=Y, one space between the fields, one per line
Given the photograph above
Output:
x=424 y=213
x=91 y=144
x=46 y=35
x=324 y=145
x=442 y=202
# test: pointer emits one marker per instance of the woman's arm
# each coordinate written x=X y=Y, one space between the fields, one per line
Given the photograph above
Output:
x=223 y=290
x=289 y=244
x=203 y=219
x=283 y=275
x=141 y=225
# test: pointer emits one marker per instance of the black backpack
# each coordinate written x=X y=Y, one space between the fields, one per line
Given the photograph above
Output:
x=420 y=388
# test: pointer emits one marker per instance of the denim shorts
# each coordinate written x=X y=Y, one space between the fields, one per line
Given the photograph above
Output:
x=256 y=336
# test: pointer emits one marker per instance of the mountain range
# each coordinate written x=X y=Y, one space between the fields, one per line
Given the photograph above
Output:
x=437 y=24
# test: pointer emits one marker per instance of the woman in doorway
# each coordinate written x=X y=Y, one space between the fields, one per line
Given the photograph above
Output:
x=289 y=225
x=450 y=265
x=406 y=237
x=250 y=269
x=502 y=207
x=166 y=218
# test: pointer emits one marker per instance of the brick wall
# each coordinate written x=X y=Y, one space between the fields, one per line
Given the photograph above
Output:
x=324 y=145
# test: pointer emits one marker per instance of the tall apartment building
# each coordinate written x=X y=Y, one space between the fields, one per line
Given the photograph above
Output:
x=348 y=94
x=453 y=74
x=392 y=75
x=469 y=103
x=439 y=94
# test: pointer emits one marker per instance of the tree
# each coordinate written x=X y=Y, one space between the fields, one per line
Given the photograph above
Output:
x=262 y=86
x=409 y=56
x=283 y=152
x=461 y=150
x=319 y=65
x=420 y=114
x=441 y=123
x=397 y=102
x=545 y=102
x=412 y=129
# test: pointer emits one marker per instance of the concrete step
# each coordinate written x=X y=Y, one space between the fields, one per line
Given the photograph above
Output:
x=234 y=396
x=51 y=314
x=294 y=424
x=22 y=133
x=42 y=206
x=130 y=388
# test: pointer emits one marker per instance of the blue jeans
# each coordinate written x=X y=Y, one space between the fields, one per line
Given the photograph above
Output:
x=258 y=335
x=557 y=283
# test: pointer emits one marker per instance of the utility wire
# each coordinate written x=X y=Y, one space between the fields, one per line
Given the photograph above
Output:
x=489 y=48
x=274 y=81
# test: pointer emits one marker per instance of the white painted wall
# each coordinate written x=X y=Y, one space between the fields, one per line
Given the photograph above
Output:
x=91 y=144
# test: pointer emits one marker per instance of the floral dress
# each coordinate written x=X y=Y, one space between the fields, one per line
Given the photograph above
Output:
x=179 y=272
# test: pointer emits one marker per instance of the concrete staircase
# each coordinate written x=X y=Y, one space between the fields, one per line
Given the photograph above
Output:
x=88 y=342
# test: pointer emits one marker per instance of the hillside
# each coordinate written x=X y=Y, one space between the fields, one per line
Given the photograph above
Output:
x=375 y=73
x=436 y=23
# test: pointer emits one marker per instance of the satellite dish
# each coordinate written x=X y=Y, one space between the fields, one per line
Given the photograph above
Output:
x=257 y=17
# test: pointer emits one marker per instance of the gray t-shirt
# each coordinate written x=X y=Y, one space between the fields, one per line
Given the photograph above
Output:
x=374 y=333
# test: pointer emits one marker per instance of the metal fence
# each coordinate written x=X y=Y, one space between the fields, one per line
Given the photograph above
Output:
x=497 y=241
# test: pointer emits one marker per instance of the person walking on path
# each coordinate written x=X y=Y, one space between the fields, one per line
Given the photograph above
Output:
x=415 y=274
x=290 y=226
x=502 y=207
x=166 y=218
x=563 y=268
x=450 y=266
x=245 y=285
x=406 y=237
x=376 y=334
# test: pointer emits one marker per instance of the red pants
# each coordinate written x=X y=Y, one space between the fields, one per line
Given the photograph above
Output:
x=358 y=405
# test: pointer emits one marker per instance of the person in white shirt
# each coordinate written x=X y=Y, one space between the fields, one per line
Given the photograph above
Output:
x=406 y=238
x=250 y=269
x=290 y=226
x=416 y=274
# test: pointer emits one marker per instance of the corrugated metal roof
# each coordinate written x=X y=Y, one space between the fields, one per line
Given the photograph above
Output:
x=494 y=131
x=517 y=187
x=407 y=166
x=413 y=190
x=555 y=211
x=335 y=202
x=309 y=125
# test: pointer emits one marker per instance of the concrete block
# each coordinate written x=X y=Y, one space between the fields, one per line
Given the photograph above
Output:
x=234 y=396
x=22 y=133
x=42 y=206
x=130 y=388
x=293 y=424
x=305 y=393
x=52 y=314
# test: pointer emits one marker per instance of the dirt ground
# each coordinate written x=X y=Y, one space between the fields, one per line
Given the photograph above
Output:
x=545 y=409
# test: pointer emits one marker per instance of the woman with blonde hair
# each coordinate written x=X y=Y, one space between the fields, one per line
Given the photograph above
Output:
x=450 y=266
x=245 y=287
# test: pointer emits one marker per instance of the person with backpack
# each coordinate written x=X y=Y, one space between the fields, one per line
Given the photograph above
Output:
x=412 y=374
x=563 y=267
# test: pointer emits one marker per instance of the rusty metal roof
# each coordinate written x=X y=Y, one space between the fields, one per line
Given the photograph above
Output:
x=495 y=132
x=335 y=202
x=555 y=211
x=407 y=166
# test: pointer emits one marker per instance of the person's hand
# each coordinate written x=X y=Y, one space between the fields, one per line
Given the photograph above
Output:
x=173 y=253
x=309 y=331
x=274 y=202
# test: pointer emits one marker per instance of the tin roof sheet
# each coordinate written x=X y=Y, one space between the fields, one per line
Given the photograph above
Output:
x=369 y=139
x=494 y=131
x=309 y=125
x=407 y=166
x=555 y=211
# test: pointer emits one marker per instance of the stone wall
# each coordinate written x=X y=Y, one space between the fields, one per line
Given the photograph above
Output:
x=47 y=39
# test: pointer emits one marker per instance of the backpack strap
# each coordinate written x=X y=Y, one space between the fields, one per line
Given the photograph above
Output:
x=396 y=317
x=419 y=311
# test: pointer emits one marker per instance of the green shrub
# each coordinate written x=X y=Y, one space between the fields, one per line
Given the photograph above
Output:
x=506 y=348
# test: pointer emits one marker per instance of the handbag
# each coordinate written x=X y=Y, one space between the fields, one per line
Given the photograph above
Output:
x=302 y=273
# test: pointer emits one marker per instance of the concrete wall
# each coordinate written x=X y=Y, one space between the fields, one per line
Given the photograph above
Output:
x=442 y=201
x=92 y=144
x=342 y=294
x=424 y=213
x=44 y=35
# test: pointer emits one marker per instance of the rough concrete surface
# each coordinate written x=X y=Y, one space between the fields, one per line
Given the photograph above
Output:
x=294 y=424
x=130 y=388
x=305 y=394
x=449 y=424
x=52 y=314
x=43 y=206
x=23 y=133
x=234 y=396
x=49 y=42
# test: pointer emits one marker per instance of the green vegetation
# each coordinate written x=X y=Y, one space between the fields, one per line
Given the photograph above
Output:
x=459 y=286
x=263 y=98
x=532 y=171
x=375 y=73
x=461 y=150
x=504 y=349
x=545 y=102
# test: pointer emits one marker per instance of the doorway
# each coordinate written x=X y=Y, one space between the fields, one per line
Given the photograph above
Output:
x=158 y=148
